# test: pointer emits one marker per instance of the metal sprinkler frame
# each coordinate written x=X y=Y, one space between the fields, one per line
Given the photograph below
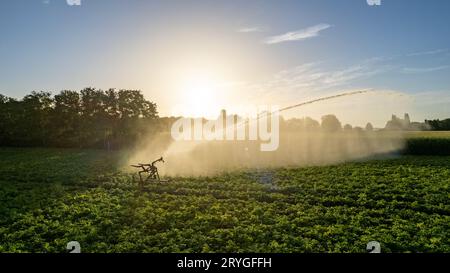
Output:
x=151 y=170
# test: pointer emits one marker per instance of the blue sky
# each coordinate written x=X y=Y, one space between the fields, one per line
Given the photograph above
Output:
x=280 y=51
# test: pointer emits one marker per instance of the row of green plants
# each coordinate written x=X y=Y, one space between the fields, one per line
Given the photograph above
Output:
x=427 y=146
x=50 y=197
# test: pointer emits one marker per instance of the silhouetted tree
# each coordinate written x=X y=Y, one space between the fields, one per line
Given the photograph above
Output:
x=438 y=125
x=5 y=113
x=369 y=127
x=33 y=112
x=66 y=119
x=330 y=124
x=300 y=124
x=91 y=118
x=3 y=99
x=311 y=124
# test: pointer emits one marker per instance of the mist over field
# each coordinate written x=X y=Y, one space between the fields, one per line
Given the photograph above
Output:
x=299 y=142
x=295 y=149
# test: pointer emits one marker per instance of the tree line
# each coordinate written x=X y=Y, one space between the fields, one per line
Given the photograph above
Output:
x=329 y=123
x=91 y=118
x=439 y=125
x=114 y=119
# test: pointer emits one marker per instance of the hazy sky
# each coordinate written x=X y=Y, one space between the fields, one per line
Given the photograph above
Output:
x=194 y=57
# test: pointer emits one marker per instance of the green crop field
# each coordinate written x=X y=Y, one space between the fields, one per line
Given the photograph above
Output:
x=49 y=197
x=428 y=134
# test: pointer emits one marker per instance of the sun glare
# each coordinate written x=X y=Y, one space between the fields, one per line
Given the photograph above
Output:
x=199 y=97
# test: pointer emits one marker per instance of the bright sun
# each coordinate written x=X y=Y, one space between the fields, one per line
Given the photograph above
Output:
x=199 y=97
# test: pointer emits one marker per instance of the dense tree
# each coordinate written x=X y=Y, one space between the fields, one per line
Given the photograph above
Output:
x=369 y=127
x=330 y=123
x=311 y=124
x=3 y=99
x=90 y=118
x=300 y=124
x=4 y=118
x=66 y=119
x=439 y=125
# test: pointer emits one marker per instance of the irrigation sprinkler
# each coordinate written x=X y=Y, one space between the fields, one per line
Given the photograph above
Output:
x=150 y=170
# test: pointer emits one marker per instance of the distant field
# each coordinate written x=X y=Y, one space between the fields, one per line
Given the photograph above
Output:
x=427 y=143
x=428 y=134
x=50 y=197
